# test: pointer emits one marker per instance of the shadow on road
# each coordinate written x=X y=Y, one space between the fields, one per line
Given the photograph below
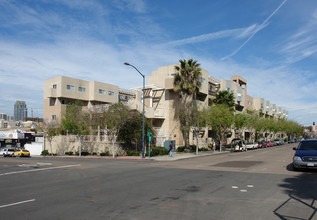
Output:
x=302 y=191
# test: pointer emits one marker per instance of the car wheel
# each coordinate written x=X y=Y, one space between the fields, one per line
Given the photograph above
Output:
x=295 y=168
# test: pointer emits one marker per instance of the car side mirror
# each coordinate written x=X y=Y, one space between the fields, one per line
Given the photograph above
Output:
x=294 y=148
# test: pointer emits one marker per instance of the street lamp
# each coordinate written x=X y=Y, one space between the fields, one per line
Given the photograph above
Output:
x=143 y=143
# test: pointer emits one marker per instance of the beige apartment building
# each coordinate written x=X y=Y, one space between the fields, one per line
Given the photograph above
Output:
x=60 y=91
x=161 y=102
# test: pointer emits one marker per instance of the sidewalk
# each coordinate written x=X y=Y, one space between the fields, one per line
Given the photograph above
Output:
x=177 y=156
x=183 y=156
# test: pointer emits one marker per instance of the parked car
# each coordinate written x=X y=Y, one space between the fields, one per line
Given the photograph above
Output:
x=291 y=141
x=252 y=145
x=262 y=144
x=21 y=153
x=278 y=141
x=274 y=143
x=6 y=152
x=269 y=144
x=305 y=154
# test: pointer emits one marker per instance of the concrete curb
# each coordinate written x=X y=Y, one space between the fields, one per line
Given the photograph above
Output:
x=177 y=156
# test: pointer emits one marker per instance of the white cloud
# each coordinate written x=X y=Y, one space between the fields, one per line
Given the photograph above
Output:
x=303 y=43
x=238 y=32
x=137 y=6
x=263 y=25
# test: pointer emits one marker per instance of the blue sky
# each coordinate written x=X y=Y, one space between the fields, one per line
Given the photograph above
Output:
x=271 y=43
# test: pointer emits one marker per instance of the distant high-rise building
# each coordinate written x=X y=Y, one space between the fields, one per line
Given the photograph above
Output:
x=4 y=116
x=20 y=111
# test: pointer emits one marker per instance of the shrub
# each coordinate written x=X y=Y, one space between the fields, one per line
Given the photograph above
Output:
x=84 y=153
x=46 y=152
x=104 y=154
x=69 y=153
x=158 y=151
x=133 y=153
x=180 y=149
x=192 y=148
x=203 y=149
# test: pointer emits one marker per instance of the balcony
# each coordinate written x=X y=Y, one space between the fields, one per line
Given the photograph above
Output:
x=158 y=113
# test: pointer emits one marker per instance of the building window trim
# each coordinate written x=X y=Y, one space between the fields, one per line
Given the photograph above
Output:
x=102 y=91
x=81 y=89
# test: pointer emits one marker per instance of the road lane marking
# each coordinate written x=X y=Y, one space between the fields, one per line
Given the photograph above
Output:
x=17 y=203
x=49 y=168
x=234 y=187
x=250 y=186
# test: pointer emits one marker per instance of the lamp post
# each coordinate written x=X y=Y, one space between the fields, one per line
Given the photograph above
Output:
x=143 y=141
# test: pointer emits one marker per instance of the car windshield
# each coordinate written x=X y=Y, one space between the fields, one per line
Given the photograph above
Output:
x=308 y=145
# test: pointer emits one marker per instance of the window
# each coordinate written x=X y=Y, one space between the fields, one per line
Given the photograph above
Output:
x=53 y=117
x=111 y=93
x=70 y=87
x=66 y=102
x=52 y=101
x=54 y=86
x=81 y=89
x=102 y=91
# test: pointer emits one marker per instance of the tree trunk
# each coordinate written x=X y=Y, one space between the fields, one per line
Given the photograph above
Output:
x=113 y=149
x=186 y=139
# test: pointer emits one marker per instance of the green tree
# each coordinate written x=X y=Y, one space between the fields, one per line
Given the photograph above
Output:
x=75 y=122
x=225 y=97
x=132 y=129
x=187 y=82
x=220 y=118
x=114 y=119
x=51 y=130
x=241 y=121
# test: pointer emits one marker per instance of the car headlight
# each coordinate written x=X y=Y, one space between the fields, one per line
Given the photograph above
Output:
x=297 y=158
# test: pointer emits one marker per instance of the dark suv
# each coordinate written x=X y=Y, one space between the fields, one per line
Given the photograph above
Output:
x=306 y=154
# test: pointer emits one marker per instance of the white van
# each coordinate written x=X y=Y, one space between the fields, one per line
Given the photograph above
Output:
x=6 y=152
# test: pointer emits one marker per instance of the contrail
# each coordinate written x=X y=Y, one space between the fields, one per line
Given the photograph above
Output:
x=252 y=35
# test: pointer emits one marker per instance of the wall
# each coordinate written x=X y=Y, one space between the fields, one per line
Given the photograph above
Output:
x=70 y=143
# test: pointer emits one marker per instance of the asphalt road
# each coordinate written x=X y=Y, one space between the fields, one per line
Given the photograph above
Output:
x=257 y=184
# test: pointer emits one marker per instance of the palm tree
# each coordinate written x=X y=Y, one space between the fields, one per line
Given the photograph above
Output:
x=225 y=97
x=187 y=82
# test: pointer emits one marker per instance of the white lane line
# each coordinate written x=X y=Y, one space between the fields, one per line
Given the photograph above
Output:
x=243 y=190
x=250 y=186
x=49 y=168
x=234 y=187
x=17 y=203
